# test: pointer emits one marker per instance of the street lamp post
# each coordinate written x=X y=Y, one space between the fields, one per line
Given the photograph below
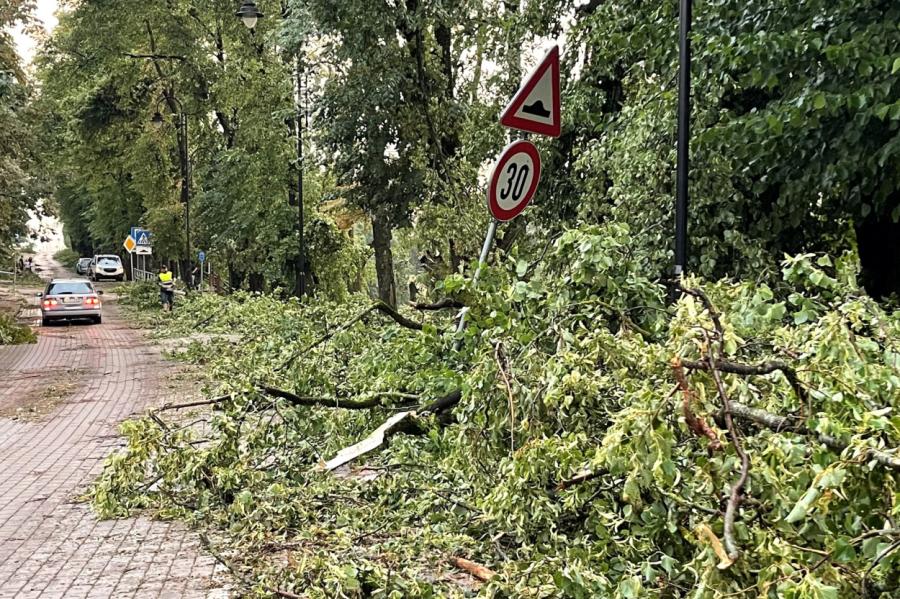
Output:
x=684 y=134
x=250 y=14
x=185 y=166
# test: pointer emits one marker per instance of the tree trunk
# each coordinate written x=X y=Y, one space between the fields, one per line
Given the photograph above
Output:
x=878 y=241
x=384 y=260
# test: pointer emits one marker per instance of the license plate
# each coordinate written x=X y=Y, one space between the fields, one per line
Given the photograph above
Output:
x=71 y=300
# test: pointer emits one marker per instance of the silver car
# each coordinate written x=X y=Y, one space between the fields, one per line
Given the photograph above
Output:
x=82 y=267
x=66 y=299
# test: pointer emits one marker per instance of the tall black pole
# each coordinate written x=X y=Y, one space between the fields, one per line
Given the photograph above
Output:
x=186 y=192
x=301 y=267
x=684 y=134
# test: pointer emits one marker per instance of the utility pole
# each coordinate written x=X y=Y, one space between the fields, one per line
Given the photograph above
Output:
x=684 y=135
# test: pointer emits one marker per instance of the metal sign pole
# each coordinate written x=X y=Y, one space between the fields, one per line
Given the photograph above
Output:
x=131 y=262
x=485 y=250
x=684 y=123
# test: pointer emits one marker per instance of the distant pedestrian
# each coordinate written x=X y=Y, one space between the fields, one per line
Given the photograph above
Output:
x=195 y=277
x=29 y=263
x=166 y=284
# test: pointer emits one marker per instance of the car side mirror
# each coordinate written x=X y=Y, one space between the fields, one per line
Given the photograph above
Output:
x=99 y=292
x=39 y=294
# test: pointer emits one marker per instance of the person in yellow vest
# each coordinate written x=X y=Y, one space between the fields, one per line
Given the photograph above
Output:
x=166 y=288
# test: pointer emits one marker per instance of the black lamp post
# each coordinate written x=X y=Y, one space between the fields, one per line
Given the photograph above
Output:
x=684 y=134
x=250 y=14
x=157 y=120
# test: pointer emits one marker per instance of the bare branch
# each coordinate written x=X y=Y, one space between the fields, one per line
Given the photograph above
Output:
x=155 y=56
x=438 y=305
x=779 y=423
x=335 y=402
x=755 y=369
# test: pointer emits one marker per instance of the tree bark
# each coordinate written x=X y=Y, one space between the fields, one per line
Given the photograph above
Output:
x=384 y=260
x=878 y=241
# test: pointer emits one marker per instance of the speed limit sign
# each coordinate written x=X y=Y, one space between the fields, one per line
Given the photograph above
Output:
x=514 y=180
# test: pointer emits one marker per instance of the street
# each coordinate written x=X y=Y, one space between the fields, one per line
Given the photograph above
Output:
x=60 y=403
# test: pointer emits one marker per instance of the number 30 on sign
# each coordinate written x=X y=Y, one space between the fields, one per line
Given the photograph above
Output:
x=514 y=180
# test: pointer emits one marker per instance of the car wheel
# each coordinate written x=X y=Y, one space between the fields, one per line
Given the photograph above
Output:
x=45 y=322
x=98 y=319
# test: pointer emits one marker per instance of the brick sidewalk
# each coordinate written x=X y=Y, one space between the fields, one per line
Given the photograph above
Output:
x=49 y=545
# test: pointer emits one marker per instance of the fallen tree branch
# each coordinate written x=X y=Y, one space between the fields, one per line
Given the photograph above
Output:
x=192 y=404
x=379 y=306
x=737 y=489
x=755 y=369
x=698 y=426
x=397 y=317
x=779 y=423
x=581 y=477
x=477 y=570
x=499 y=358
x=373 y=441
x=713 y=356
x=334 y=402
x=438 y=305
x=403 y=422
x=205 y=543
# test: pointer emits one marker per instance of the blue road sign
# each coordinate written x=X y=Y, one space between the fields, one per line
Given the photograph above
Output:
x=141 y=236
x=202 y=256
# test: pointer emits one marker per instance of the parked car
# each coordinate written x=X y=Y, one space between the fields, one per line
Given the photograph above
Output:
x=66 y=299
x=83 y=266
x=107 y=266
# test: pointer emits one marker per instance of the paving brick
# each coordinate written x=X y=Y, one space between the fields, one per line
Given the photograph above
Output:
x=50 y=545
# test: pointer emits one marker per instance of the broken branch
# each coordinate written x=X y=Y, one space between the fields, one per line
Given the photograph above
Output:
x=778 y=424
x=438 y=305
x=698 y=426
x=755 y=369
x=334 y=402
x=477 y=570
x=380 y=306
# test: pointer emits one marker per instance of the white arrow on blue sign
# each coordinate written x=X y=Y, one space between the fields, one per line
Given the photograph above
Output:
x=202 y=256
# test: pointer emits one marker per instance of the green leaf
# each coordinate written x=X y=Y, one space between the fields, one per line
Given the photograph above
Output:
x=896 y=66
x=819 y=101
x=630 y=588
x=843 y=551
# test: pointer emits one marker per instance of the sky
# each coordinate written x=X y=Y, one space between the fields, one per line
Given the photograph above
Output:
x=27 y=45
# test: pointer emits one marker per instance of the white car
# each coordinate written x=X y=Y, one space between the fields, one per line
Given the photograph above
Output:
x=107 y=266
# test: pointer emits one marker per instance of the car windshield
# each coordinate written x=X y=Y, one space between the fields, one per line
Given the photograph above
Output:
x=85 y=260
x=108 y=260
x=69 y=288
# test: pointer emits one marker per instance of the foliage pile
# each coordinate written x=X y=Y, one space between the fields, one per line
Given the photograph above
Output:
x=737 y=443
x=13 y=333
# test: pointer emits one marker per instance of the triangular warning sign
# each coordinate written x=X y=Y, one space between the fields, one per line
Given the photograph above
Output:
x=143 y=239
x=535 y=107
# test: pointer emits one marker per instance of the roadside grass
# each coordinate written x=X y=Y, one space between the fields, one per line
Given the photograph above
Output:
x=67 y=257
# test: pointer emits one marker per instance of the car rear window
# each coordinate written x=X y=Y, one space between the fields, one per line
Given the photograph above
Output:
x=68 y=288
